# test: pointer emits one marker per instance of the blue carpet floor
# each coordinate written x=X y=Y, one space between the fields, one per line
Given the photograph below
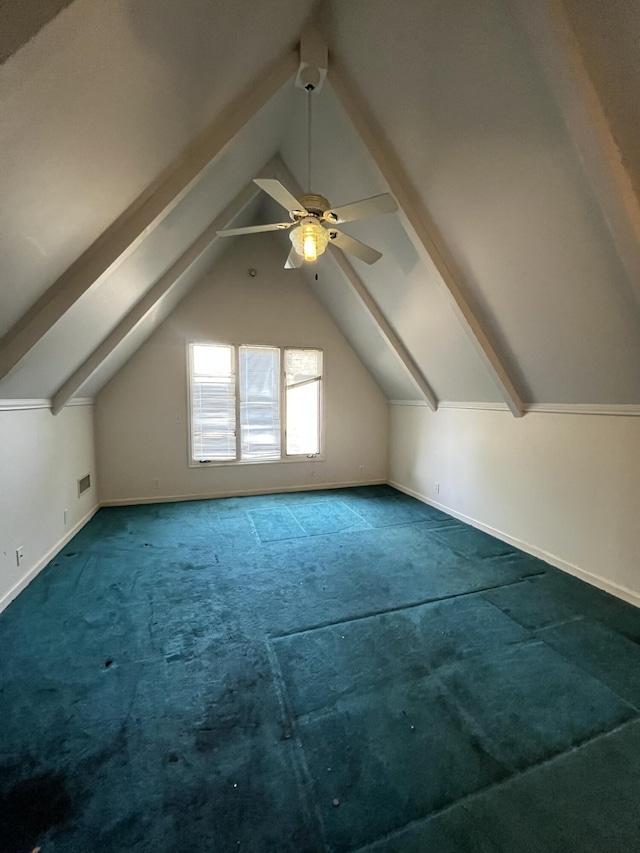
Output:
x=347 y=670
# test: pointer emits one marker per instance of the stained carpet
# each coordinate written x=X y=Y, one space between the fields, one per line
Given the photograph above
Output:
x=347 y=670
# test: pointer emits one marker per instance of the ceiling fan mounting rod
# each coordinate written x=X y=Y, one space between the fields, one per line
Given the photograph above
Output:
x=310 y=213
x=309 y=94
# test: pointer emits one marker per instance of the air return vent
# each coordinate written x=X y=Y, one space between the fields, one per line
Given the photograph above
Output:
x=84 y=483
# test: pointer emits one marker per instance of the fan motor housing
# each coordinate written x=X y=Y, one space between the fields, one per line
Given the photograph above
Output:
x=314 y=204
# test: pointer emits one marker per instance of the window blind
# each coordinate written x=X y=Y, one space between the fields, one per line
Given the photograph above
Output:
x=259 y=403
x=213 y=415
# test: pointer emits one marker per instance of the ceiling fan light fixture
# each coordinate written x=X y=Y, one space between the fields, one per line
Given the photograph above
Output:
x=309 y=239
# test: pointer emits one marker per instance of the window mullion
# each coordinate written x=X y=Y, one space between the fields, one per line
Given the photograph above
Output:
x=236 y=368
x=283 y=406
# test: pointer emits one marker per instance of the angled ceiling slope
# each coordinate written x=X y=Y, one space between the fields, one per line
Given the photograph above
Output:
x=148 y=211
x=101 y=102
x=404 y=285
x=449 y=309
x=467 y=110
x=118 y=244
x=76 y=146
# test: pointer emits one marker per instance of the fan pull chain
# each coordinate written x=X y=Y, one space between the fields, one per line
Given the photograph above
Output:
x=309 y=91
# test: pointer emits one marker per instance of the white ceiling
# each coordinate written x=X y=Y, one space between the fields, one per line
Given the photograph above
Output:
x=407 y=290
x=98 y=311
x=101 y=101
x=107 y=95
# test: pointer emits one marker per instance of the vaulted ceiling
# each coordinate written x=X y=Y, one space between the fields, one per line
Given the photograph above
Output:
x=131 y=132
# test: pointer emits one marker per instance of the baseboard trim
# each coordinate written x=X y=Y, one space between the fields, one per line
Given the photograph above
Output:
x=156 y=499
x=611 y=587
x=26 y=579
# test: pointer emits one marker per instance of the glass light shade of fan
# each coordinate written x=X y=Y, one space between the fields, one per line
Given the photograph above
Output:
x=309 y=240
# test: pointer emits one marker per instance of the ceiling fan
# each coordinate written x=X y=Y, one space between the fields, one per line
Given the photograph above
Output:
x=311 y=213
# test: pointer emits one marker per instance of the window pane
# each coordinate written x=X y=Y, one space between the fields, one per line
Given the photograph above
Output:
x=213 y=414
x=302 y=364
x=260 y=403
x=303 y=377
x=303 y=419
x=212 y=360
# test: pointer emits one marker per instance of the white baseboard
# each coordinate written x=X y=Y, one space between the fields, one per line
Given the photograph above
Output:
x=156 y=499
x=26 y=579
x=611 y=587
x=31 y=573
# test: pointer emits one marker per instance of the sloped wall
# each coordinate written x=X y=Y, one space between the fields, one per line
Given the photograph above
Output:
x=561 y=486
x=141 y=415
x=41 y=459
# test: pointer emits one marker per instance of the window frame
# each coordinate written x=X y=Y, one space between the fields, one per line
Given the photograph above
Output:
x=284 y=457
x=283 y=404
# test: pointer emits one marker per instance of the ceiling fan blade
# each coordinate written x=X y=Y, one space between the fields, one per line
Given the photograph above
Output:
x=255 y=229
x=280 y=193
x=363 y=209
x=293 y=261
x=354 y=247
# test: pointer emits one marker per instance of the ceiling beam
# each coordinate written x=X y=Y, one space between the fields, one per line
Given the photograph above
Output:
x=142 y=216
x=559 y=54
x=423 y=233
x=149 y=301
x=394 y=342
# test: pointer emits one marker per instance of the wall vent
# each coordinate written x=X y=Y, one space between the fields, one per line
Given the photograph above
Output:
x=84 y=483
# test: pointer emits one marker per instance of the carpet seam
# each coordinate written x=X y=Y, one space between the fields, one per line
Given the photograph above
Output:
x=462 y=802
x=319 y=713
x=304 y=778
x=374 y=613
x=588 y=672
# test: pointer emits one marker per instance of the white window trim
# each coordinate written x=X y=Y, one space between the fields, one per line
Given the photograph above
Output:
x=284 y=458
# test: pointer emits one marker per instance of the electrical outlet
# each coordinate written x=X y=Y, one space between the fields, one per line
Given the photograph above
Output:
x=66 y=516
x=178 y=419
x=19 y=555
x=361 y=469
x=436 y=488
x=156 y=482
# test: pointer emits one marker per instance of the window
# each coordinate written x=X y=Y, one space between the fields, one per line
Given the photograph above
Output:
x=241 y=396
x=303 y=376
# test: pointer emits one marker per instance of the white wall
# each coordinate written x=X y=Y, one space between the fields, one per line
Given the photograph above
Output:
x=141 y=415
x=41 y=459
x=564 y=487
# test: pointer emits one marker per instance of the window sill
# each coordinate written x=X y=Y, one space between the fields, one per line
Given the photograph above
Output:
x=242 y=463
